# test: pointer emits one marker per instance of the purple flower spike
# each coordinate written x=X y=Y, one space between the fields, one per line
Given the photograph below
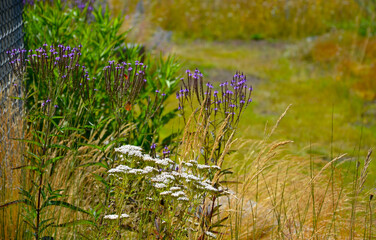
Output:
x=130 y=69
x=56 y=106
x=165 y=150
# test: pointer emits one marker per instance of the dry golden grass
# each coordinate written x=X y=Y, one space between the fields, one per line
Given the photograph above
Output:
x=77 y=181
x=280 y=196
x=11 y=128
x=76 y=176
x=252 y=19
x=352 y=58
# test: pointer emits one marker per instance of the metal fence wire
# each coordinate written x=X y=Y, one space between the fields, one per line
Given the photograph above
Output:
x=11 y=119
x=11 y=37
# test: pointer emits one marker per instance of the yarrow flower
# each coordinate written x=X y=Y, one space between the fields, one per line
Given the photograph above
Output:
x=160 y=185
x=130 y=150
x=210 y=234
x=115 y=216
x=162 y=180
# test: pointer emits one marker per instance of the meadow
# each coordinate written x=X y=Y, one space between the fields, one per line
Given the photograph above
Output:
x=191 y=120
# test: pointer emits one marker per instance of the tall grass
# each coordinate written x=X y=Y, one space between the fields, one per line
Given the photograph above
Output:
x=281 y=196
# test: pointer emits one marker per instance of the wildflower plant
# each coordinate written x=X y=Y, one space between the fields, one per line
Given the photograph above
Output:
x=178 y=198
x=125 y=83
x=215 y=111
x=102 y=41
x=214 y=114
x=55 y=71
x=154 y=196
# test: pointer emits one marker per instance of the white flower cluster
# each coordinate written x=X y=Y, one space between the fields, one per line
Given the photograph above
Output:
x=160 y=185
x=115 y=216
x=178 y=194
x=128 y=170
x=210 y=234
x=177 y=179
x=183 y=199
x=194 y=163
x=130 y=150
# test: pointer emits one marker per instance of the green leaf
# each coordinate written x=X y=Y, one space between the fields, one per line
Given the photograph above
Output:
x=29 y=167
x=42 y=228
x=63 y=204
x=12 y=203
x=30 y=224
x=34 y=156
x=92 y=145
x=72 y=129
x=101 y=179
x=28 y=141
x=27 y=194
x=58 y=146
x=16 y=98
x=52 y=160
x=218 y=223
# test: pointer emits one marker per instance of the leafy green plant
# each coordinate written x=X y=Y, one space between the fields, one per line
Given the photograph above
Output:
x=102 y=41
x=55 y=72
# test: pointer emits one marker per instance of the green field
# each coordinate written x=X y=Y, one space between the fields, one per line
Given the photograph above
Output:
x=326 y=118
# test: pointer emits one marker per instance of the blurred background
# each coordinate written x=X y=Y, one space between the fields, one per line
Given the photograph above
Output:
x=317 y=55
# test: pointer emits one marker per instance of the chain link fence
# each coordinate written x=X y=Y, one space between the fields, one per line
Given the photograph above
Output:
x=11 y=36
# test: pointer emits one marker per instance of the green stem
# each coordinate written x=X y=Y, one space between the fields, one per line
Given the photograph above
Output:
x=38 y=205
